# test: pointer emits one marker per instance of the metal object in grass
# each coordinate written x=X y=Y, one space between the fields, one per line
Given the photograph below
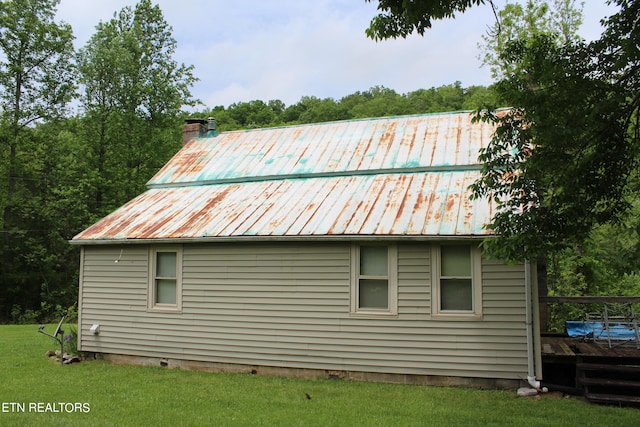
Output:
x=57 y=336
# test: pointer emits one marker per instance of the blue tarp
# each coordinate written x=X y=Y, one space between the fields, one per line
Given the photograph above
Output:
x=617 y=331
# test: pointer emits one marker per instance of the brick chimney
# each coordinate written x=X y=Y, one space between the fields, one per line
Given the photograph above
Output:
x=194 y=128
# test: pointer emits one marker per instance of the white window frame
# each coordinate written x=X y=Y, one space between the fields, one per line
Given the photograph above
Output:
x=152 y=290
x=391 y=277
x=476 y=284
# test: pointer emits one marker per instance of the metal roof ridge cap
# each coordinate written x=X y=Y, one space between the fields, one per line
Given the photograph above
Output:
x=355 y=119
x=384 y=171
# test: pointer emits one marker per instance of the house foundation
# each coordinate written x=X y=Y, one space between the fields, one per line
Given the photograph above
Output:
x=428 y=380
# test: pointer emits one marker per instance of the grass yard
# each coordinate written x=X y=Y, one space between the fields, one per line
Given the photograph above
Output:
x=99 y=394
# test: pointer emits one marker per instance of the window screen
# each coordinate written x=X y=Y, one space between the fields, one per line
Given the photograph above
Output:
x=373 y=282
x=165 y=280
x=456 y=286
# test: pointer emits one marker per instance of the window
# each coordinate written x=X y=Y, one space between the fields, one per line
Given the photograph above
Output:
x=456 y=281
x=165 y=284
x=374 y=279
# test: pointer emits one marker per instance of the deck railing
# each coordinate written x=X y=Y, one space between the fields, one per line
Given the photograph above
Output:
x=591 y=299
x=607 y=318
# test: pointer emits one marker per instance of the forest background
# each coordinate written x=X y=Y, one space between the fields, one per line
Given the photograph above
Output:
x=59 y=173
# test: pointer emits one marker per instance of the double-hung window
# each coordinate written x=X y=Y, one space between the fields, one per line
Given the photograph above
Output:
x=165 y=278
x=374 y=279
x=456 y=280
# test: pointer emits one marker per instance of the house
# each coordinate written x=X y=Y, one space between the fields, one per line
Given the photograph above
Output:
x=345 y=249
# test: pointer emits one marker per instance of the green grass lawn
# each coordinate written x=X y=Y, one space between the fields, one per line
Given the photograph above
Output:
x=116 y=395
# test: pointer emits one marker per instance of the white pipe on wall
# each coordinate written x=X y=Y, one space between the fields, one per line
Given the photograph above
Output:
x=531 y=373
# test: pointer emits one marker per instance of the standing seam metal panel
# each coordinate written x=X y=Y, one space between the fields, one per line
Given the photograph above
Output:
x=356 y=145
x=427 y=204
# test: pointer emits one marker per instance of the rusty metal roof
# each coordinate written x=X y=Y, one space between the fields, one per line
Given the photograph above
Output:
x=329 y=148
x=398 y=176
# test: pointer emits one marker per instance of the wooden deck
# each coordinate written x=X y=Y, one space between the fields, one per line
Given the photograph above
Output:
x=558 y=347
x=567 y=347
x=603 y=374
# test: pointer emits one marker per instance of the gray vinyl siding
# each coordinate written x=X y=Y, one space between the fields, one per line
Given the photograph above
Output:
x=287 y=305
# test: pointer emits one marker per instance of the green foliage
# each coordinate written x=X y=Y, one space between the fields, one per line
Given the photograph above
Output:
x=378 y=101
x=61 y=174
x=44 y=266
x=560 y=18
x=70 y=341
x=36 y=67
x=45 y=313
x=36 y=83
x=24 y=317
x=606 y=263
x=133 y=93
x=399 y=18
x=561 y=162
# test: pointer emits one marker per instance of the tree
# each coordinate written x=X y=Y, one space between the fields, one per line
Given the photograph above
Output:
x=561 y=162
x=381 y=101
x=561 y=159
x=377 y=101
x=399 y=18
x=518 y=22
x=311 y=109
x=36 y=84
x=133 y=93
x=252 y=114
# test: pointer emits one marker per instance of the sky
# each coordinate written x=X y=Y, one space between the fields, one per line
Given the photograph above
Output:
x=246 y=50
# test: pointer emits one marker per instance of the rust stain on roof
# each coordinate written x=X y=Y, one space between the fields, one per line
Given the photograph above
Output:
x=403 y=176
